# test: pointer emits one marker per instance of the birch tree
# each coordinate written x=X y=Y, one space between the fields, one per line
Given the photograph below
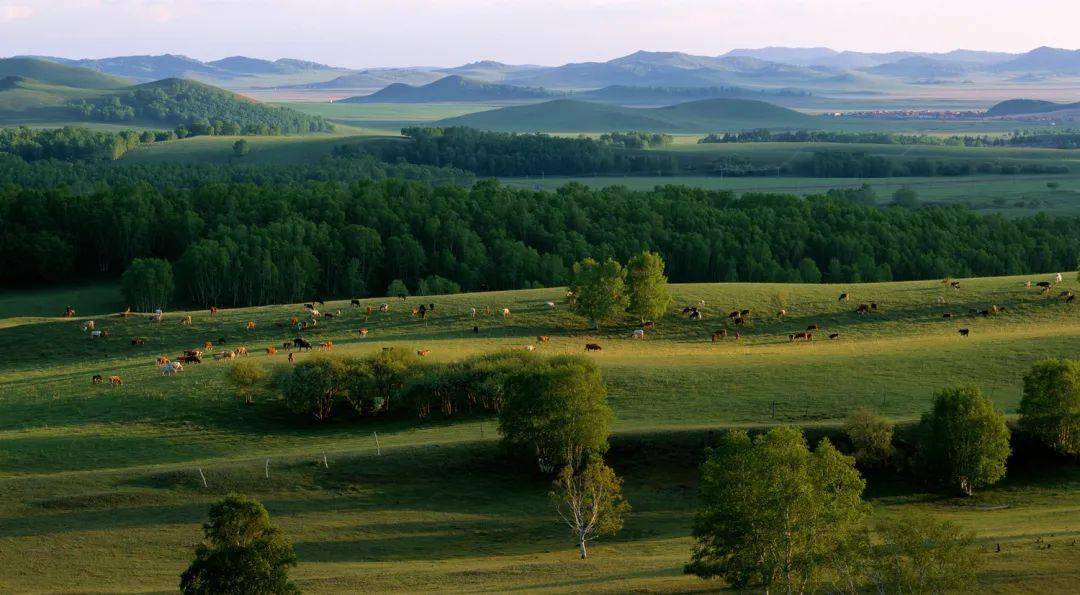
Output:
x=590 y=502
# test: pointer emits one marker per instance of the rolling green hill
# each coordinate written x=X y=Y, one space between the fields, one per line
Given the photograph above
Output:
x=1016 y=107
x=451 y=88
x=52 y=73
x=565 y=115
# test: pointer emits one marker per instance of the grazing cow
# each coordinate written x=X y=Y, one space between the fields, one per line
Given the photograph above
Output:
x=250 y=325
x=638 y=334
x=162 y=360
x=1065 y=294
x=97 y=334
x=812 y=327
x=384 y=307
x=472 y=312
x=116 y=381
x=740 y=320
x=97 y=379
x=738 y=335
x=1044 y=284
x=190 y=359
x=592 y=347
x=1057 y=278
x=209 y=345
x=292 y=357
x=1027 y=284
x=863 y=309
x=719 y=334
x=506 y=312
x=315 y=314
x=1070 y=299
x=744 y=313
x=186 y=320
x=69 y=312
x=843 y=297
x=543 y=339
x=964 y=332
x=327 y=345
x=550 y=305
x=529 y=347
x=803 y=336
x=227 y=354
x=271 y=350
x=648 y=324
x=363 y=331
x=172 y=368
x=241 y=350
x=368 y=310
x=193 y=352
x=301 y=343
x=329 y=314
x=476 y=330
x=781 y=314
x=88 y=326
x=286 y=345
x=695 y=315
x=947 y=315
x=955 y=285
x=425 y=352
x=213 y=310
x=137 y=341
x=833 y=336
x=355 y=303
x=294 y=321
x=732 y=314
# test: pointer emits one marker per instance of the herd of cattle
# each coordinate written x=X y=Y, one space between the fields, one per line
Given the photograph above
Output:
x=737 y=319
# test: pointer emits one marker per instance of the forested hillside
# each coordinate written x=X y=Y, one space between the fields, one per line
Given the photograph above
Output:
x=242 y=243
x=198 y=109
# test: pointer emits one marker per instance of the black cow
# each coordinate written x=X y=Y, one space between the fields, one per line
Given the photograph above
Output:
x=301 y=343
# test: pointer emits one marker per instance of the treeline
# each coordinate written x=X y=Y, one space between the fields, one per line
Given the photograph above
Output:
x=73 y=143
x=198 y=110
x=764 y=135
x=636 y=140
x=1046 y=140
x=844 y=164
x=507 y=154
x=245 y=244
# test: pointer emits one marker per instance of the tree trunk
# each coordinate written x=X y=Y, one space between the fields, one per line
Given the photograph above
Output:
x=584 y=554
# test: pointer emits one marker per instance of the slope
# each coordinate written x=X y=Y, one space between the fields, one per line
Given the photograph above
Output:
x=52 y=73
x=451 y=88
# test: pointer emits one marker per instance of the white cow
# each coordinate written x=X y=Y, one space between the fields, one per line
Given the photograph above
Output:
x=639 y=334
x=172 y=368
x=551 y=305
x=95 y=334
x=1057 y=279
x=506 y=312
x=88 y=326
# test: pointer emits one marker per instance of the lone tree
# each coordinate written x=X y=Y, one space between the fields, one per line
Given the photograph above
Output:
x=241 y=148
x=245 y=376
x=242 y=553
x=774 y=515
x=1050 y=408
x=148 y=284
x=871 y=437
x=590 y=502
x=649 y=297
x=964 y=441
x=920 y=554
x=599 y=290
x=556 y=413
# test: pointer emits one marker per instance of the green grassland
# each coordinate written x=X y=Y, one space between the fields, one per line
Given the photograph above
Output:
x=113 y=473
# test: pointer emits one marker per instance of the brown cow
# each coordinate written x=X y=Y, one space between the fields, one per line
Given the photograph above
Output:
x=803 y=336
x=271 y=350
x=327 y=345
x=843 y=297
x=209 y=345
x=138 y=341
x=292 y=357
x=250 y=325
x=241 y=350
x=423 y=352
x=863 y=309
x=162 y=360
x=543 y=339
x=719 y=334
x=964 y=332
x=363 y=331
x=116 y=381
x=648 y=324
x=213 y=310
x=592 y=347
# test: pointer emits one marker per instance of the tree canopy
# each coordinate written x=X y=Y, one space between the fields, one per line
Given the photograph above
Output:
x=964 y=442
x=1050 y=407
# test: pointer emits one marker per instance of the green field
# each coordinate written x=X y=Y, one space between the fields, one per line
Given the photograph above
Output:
x=113 y=473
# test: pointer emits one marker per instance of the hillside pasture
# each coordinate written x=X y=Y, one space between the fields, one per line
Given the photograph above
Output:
x=114 y=472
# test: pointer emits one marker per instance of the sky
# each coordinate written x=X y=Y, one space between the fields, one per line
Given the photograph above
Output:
x=366 y=33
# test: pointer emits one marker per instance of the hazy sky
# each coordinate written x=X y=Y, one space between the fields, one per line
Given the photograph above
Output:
x=361 y=33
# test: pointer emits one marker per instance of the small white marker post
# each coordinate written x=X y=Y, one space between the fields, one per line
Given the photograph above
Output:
x=378 y=449
x=203 y=478
x=324 y=463
x=267 y=468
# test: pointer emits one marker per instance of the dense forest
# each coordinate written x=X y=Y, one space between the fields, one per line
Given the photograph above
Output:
x=764 y=135
x=242 y=243
x=507 y=154
x=843 y=164
x=197 y=109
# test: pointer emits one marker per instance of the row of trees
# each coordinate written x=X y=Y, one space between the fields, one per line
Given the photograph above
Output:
x=765 y=135
x=74 y=143
x=603 y=291
x=844 y=164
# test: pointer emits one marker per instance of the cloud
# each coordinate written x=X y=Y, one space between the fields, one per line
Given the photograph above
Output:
x=15 y=12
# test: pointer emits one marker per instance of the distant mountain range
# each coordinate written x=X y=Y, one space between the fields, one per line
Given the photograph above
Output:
x=816 y=68
x=452 y=88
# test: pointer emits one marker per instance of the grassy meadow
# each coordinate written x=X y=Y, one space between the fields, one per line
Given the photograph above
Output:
x=113 y=474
